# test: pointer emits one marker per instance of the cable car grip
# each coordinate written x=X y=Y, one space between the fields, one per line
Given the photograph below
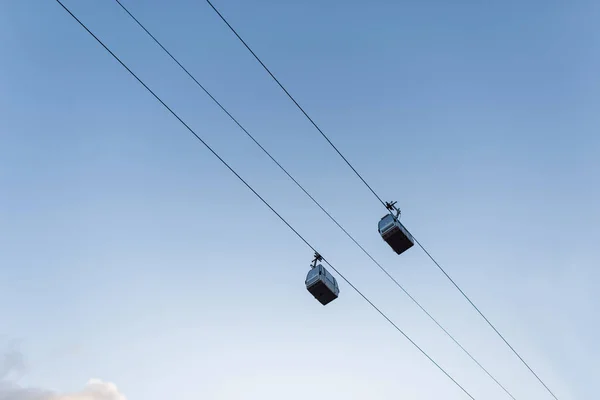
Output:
x=317 y=258
x=391 y=206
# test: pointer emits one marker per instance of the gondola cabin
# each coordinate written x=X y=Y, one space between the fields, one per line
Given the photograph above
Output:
x=321 y=284
x=395 y=234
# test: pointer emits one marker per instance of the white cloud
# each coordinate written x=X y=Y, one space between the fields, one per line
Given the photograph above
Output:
x=13 y=364
x=94 y=390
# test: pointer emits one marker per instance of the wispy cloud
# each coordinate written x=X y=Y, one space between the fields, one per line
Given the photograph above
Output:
x=13 y=363
x=94 y=390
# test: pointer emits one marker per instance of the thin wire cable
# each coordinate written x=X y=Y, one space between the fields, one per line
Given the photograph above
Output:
x=376 y=195
x=486 y=320
x=313 y=199
x=295 y=102
x=263 y=200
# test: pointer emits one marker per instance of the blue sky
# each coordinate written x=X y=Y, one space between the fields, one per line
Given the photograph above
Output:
x=128 y=253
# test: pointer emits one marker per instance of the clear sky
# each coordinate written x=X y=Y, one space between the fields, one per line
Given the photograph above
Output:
x=129 y=254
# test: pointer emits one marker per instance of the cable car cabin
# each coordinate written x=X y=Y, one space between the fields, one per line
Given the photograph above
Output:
x=321 y=284
x=395 y=234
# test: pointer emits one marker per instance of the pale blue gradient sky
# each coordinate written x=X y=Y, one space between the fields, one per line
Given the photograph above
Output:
x=129 y=253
